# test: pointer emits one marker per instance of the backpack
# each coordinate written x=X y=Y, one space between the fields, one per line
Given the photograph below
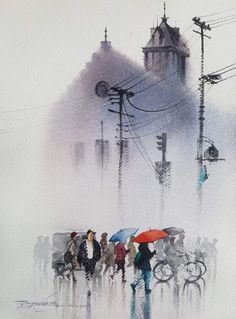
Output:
x=137 y=259
x=68 y=256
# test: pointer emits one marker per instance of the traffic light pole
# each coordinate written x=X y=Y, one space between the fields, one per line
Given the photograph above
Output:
x=163 y=172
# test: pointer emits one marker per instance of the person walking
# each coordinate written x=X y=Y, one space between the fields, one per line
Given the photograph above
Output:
x=70 y=256
x=142 y=262
x=104 y=243
x=120 y=253
x=132 y=252
x=89 y=254
x=109 y=258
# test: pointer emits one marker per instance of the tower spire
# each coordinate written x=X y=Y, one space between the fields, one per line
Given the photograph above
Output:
x=105 y=44
x=105 y=34
x=164 y=18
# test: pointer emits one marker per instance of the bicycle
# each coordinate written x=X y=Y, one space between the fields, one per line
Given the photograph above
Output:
x=192 y=271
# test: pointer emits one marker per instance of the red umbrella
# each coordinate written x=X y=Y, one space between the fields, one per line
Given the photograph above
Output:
x=149 y=236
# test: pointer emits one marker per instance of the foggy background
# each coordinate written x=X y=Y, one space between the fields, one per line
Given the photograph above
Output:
x=44 y=46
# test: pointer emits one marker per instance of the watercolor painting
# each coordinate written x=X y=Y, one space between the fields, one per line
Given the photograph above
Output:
x=117 y=139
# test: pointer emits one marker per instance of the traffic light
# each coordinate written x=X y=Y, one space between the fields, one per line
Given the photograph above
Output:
x=161 y=142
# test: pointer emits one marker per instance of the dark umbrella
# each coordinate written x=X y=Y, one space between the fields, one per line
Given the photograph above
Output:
x=172 y=231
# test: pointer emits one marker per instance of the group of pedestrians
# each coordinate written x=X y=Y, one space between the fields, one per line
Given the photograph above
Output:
x=100 y=257
x=206 y=250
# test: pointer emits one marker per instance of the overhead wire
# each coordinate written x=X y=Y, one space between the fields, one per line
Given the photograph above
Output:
x=159 y=81
x=222 y=21
x=181 y=106
x=164 y=108
x=46 y=105
x=129 y=78
x=217 y=13
x=142 y=149
x=144 y=123
x=79 y=98
x=149 y=113
x=220 y=25
x=229 y=77
x=217 y=71
x=213 y=20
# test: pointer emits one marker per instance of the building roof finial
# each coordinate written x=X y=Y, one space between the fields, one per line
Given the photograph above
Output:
x=105 y=34
x=105 y=44
x=164 y=18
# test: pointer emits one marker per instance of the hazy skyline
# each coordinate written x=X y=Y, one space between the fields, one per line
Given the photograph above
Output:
x=45 y=44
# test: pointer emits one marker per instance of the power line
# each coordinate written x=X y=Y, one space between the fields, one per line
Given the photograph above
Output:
x=223 y=20
x=229 y=77
x=46 y=105
x=156 y=131
x=130 y=79
x=153 y=119
x=158 y=110
x=222 y=68
x=213 y=20
x=217 y=13
x=150 y=165
x=217 y=26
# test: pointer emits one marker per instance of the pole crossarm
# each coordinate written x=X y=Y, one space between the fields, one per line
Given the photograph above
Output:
x=201 y=24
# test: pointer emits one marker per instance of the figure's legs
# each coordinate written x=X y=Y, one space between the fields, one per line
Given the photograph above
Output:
x=147 y=275
x=89 y=270
x=117 y=269
x=123 y=271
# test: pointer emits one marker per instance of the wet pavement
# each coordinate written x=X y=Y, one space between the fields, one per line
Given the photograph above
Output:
x=47 y=296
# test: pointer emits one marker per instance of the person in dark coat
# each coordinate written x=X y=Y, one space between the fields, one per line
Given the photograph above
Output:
x=142 y=262
x=89 y=254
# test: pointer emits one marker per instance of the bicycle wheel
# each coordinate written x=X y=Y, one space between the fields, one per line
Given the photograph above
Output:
x=202 y=266
x=192 y=272
x=163 y=271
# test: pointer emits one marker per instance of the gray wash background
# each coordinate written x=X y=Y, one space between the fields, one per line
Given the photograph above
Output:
x=44 y=46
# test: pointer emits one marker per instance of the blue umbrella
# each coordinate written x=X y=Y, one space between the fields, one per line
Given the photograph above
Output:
x=123 y=234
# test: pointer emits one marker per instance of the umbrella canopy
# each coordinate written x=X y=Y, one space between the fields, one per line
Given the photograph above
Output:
x=149 y=236
x=172 y=231
x=123 y=234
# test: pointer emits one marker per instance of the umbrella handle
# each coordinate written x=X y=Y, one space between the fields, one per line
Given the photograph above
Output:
x=153 y=246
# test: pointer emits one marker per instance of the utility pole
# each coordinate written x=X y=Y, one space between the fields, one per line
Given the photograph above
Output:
x=203 y=27
x=116 y=95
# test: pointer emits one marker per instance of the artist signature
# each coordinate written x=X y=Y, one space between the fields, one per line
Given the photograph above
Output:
x=39 y=306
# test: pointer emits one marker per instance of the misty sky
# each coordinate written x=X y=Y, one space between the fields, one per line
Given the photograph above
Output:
x=45 y=44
